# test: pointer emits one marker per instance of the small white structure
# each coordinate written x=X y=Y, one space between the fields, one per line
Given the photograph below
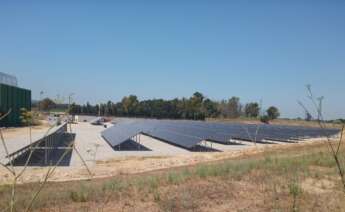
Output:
x=8 y=79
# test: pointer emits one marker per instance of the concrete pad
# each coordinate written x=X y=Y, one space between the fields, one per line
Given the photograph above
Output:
x=90 y=144
x=92 y=147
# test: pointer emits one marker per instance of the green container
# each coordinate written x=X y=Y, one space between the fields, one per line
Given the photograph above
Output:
x=13 y=98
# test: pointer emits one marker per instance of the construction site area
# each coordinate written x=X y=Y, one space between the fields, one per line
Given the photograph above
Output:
x=82 y=146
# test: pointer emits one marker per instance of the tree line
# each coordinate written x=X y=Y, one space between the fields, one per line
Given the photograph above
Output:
x=197 y=107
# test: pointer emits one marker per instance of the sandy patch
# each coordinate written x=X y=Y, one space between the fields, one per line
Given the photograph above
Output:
x=314 y=186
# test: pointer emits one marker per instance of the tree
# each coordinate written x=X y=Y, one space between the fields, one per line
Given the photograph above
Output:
x=209 y=108
x=130 y=105
x=47 y=104
x=234 y=107
x=252 y=110
x=273 y=113
x=75 y=109
x=222 y=108
x=196 y=107
x=231 y=108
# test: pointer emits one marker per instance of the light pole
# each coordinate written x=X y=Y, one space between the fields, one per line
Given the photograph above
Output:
x=319 y=115
x=99 y=110
x=69 y=111
x=40 y=102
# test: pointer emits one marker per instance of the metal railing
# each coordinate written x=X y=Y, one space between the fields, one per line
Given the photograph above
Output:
x=58 y=139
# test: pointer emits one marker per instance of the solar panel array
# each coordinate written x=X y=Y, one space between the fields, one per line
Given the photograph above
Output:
x=121 y=132
x=47 y=150
x=188 y=134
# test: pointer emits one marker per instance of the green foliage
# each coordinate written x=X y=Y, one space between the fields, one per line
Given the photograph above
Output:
x=81 y=195
x=209 y=108
x=29 y=118
x=231 y=108
x=156 y=196
x=26 y=117
x=176 y=178
x=295 y=191
x=46 y=104
x=252 y=110
x=197 y=107
x=153 y=182
x=130 y=105
x=113 y=186
x=273 y=113
x=265 y=119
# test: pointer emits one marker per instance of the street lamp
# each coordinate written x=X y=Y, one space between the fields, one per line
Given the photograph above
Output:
x=319 y=115
x=69 y=119
x=40 y=101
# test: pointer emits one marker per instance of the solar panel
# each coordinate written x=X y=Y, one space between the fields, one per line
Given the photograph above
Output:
x=188 y=134
x=181 y=140
x=120 y=133
x=196 y=130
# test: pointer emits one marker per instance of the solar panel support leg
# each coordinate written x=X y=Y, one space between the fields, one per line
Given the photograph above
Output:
x=45 y=153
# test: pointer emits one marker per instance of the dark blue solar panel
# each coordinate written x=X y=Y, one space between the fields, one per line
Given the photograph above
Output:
x=188 y=134
x=120 y=133
x=182 y=140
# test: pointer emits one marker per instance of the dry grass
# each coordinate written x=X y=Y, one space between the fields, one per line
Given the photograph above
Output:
x=303 y=178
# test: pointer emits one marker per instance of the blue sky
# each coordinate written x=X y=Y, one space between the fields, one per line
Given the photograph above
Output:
x=103 y=50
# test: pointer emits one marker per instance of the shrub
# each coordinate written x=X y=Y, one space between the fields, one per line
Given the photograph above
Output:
x=81 y=195
x=265 y=119
x=273 y=112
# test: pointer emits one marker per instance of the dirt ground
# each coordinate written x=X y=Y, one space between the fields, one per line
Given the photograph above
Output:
x=10 y=133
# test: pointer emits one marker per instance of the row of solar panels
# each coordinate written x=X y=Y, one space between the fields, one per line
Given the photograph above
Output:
x=188 y=134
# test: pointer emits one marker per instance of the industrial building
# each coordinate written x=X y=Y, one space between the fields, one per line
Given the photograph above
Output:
x=12 y=98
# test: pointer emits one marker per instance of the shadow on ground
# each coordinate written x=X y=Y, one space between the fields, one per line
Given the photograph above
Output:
x=130 y=145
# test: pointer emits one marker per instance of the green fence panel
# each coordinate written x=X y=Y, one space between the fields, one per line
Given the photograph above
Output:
x=13 y=98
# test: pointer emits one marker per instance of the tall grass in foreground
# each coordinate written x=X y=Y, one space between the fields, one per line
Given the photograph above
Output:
x=271 y=165
x=232 y=170
x=333 y=147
